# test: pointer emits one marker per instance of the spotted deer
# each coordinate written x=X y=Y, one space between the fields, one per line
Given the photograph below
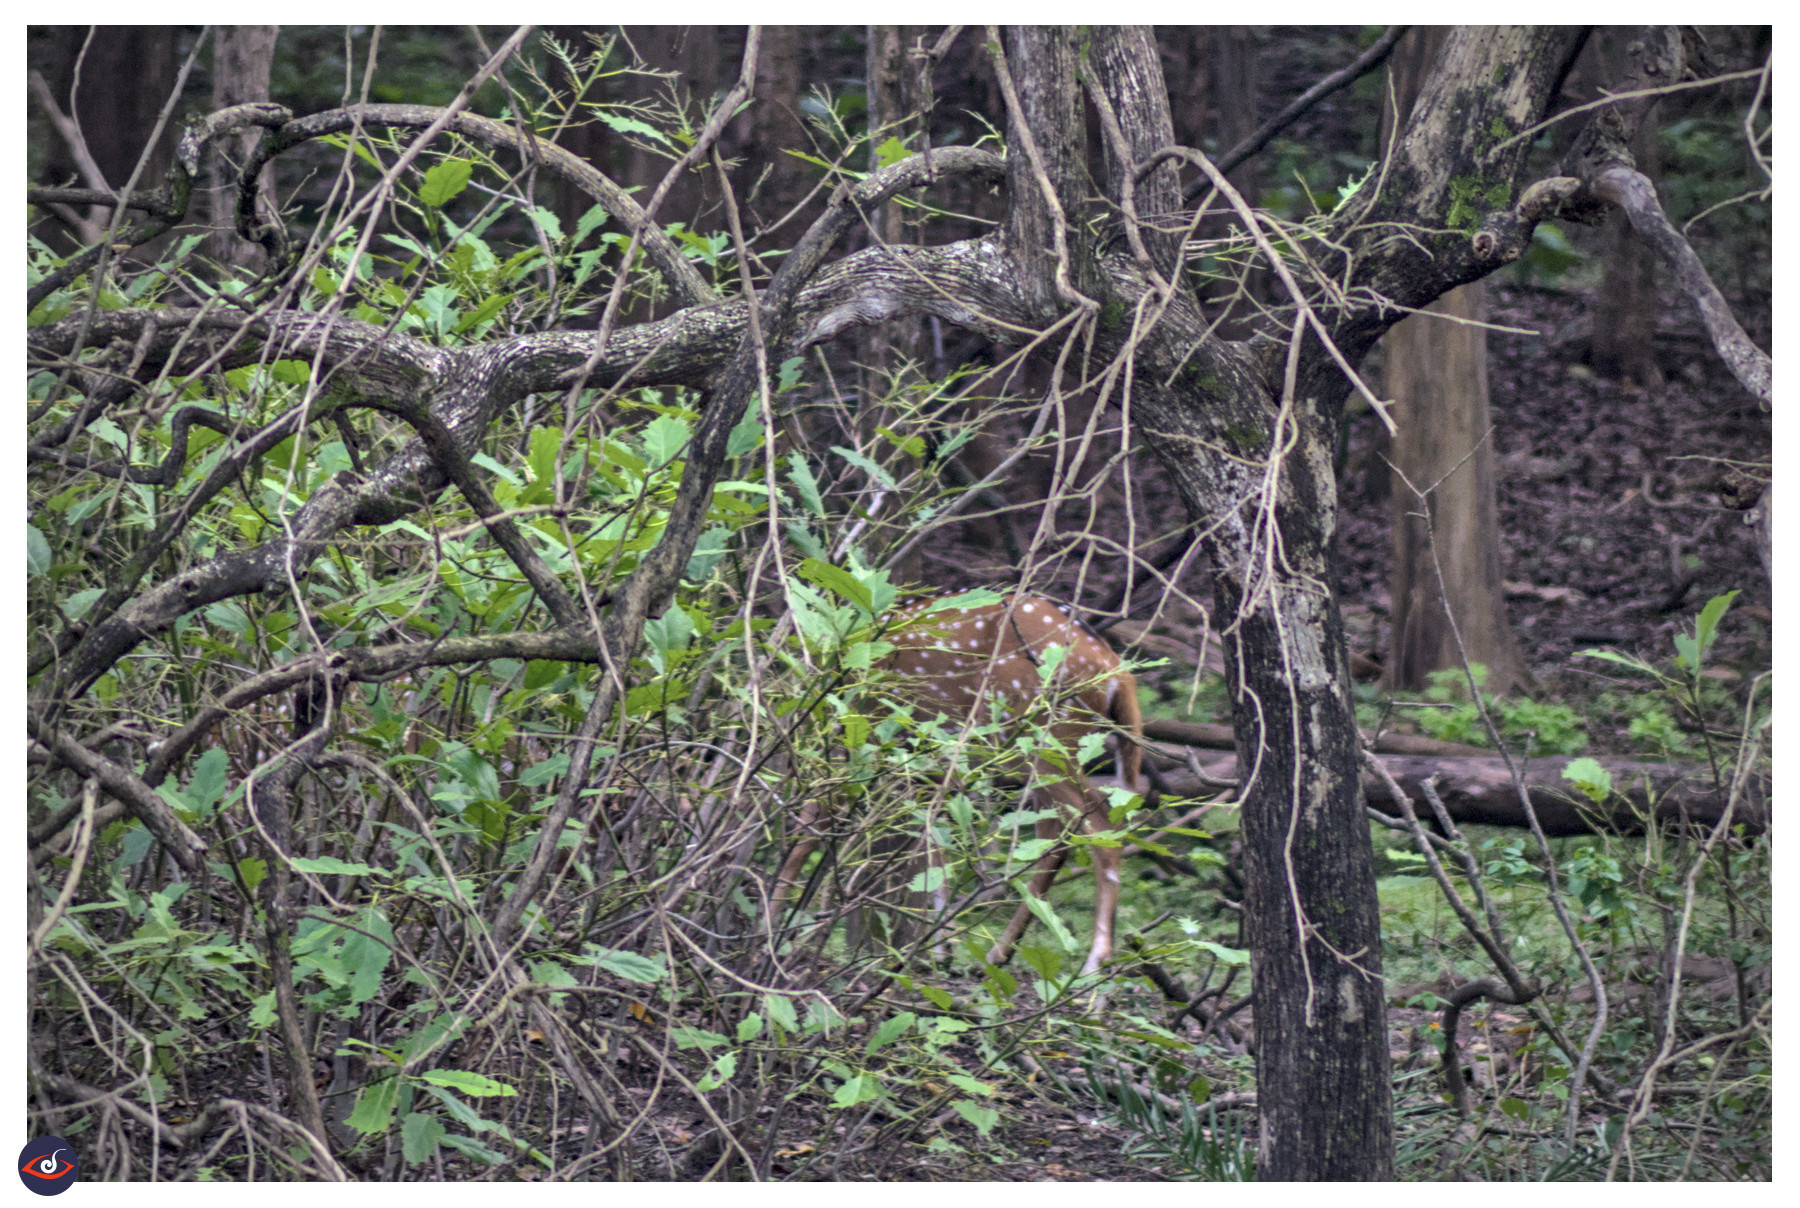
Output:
x=963 y=660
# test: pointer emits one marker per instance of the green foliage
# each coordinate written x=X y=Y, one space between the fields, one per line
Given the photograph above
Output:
x=1177 y=1139
x=1539 y=728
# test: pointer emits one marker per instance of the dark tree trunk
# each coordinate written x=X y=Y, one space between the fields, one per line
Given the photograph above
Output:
x=124 y=73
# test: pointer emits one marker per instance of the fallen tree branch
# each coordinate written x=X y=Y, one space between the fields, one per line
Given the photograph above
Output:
x=1220 y=738
x=1479 y=791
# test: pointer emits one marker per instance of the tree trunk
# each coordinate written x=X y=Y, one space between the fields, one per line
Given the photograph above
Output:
x=125 y=74
x=242 y=58
x=1623 y=346
x=1437 y=376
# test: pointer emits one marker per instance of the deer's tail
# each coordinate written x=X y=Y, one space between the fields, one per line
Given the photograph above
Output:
x=1123 y=711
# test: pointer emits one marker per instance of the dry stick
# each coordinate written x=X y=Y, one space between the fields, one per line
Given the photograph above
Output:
x=1595 y=982
x=1516 y=988
x=84 y=833
x=1748 y=751
x=1262 y=242
x=1257 y=139
x=1617 y=97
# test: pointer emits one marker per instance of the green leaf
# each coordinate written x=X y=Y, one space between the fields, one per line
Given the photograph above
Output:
x=473 y=1149
x=586 y=224
x=1706 y=627
x=748 y=433
x=723 y=1067
x=891 y=152
x=77 y=605
x=293 y=373
x=712 y=547
x=253 y=871
x=419 y=1136
x=1224 y=955
x=1594 y=781
x=445 y=180
x=891 y=1030
x=366 y=956
x=977 y=597
x=331 y=865
x=630 y=125
x=1047 y=917
x=212 y=772
x=856 y=730
x=1047 y=964
x=938 y=998
x=375 y=1107
x=489 y=307
x=973 y=1085
x=548 y=223
x=749 y=1027
x=674 y=630
x=929 y=880
x=37 y=551
x=628 y=965
x=839 y=580
x=780 y=1009
x=866 y=466
x=468 y=1082
x=687 y=1036
x=664 y=439
x=801 y=475
x=859 y=1089
x=983 y=1118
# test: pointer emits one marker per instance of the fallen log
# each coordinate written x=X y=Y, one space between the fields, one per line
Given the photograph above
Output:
x=1214 y=737
x=1477 y=789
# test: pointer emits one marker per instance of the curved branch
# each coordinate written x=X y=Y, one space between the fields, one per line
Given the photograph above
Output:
x=129 y=789
x=1632 y=192
x=168 y=205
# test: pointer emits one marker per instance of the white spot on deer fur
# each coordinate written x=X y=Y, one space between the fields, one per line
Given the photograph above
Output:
x=1030 y=607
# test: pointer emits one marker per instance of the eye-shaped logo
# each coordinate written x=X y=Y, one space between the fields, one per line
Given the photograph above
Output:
x=47 y=1165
